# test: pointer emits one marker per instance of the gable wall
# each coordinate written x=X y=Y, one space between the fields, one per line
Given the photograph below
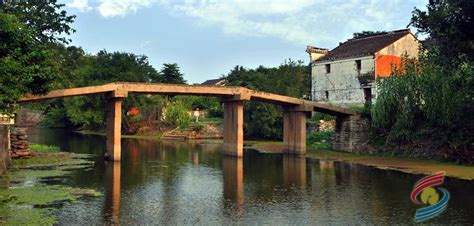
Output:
x=391 y=56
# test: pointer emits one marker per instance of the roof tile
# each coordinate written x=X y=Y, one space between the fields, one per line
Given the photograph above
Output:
x=363 y=46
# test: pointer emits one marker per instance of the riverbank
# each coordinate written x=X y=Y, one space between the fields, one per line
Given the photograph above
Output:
x=29 y=192
x=407 y=165
x=198 y=131
x=148 y=137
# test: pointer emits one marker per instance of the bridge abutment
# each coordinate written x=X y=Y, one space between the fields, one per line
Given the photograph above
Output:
x=351 y=134
x=294 y=129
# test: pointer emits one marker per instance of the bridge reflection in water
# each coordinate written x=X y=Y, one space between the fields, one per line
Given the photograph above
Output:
x=294 y=171
x=112 y=196
x=233 y=173
x=294 y=174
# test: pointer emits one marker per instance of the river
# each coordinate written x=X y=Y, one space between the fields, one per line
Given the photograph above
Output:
x=172 y=182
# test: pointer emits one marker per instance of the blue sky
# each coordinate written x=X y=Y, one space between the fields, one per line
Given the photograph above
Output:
x=208 y=38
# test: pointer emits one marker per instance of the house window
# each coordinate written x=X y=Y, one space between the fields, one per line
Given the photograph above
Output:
x=358 y=65
x=326 y=93
x=368 y=95
x=328 y=68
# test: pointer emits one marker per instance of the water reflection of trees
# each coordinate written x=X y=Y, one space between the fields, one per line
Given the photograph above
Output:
x=274 y=178
x=363 y=191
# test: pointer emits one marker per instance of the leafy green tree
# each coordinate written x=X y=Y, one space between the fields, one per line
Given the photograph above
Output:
x=26 y=66
x=265 y=121
x=426 y=102
x=428 y=107
x=170 y=73
x=177 y=114
x=28 y=30
x=81 y=69
x=364 y=34
x=46 y=20
x=448 y=23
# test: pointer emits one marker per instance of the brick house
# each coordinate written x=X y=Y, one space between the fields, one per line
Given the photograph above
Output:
x=345 y=75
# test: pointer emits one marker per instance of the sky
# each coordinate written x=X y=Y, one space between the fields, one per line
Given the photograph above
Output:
x=208 y=38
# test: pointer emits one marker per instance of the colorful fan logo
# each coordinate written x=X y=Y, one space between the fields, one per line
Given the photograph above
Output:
x=425 y=192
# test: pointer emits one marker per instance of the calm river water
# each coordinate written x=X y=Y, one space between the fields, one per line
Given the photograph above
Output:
x=167 y=182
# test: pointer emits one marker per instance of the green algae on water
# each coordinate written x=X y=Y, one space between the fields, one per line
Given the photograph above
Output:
x=27 y=198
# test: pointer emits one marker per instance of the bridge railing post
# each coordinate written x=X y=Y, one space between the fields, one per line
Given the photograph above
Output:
x=114 y=125
x=294 y=129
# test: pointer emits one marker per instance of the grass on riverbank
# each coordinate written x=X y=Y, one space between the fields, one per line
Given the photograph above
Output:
x=43 y=148
x=320 y=140
x=45 y=155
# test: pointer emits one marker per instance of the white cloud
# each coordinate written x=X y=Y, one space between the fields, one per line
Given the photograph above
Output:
x=299 y=21
x=81 y=5
x=112 y=8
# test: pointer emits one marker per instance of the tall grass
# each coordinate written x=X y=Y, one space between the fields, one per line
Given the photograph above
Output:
x=425 y=101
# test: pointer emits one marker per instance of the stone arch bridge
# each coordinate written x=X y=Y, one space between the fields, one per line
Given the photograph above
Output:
x=294 y=110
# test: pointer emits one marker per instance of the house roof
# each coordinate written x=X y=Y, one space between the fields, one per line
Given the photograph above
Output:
x=358 y=47
x=212 y=82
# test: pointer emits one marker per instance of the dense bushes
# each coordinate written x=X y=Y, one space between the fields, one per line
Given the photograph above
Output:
x=320 y=139
x=177 y=114
x=427 y=108
x=265 y=121
x=426 y=102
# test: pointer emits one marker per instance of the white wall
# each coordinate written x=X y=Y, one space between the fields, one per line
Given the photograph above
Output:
x=342 y=83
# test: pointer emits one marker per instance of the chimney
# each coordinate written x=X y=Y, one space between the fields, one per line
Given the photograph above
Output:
x=315 y=53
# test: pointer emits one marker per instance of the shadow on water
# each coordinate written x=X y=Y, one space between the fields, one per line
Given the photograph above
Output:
x=169 y=182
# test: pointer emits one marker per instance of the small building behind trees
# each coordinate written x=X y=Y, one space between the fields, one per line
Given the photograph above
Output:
x=345 y=76
x=214 y=82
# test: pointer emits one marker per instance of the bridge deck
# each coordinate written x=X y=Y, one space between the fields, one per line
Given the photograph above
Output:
x=175 y=89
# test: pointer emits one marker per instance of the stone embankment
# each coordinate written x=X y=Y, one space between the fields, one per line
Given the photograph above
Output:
x=19 y=144
x=4 y=148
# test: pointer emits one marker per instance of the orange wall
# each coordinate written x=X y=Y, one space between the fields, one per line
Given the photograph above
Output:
x=383 y=64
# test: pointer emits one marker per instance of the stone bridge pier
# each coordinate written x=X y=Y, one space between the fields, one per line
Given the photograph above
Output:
x=114 y=124
x=294 y=127
x=351 y=134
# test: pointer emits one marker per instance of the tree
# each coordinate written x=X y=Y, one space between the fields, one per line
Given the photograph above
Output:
x=364 y=34
x=26 y=66
x=428 y=107
x=265 y=120
x=170 y=73
x=45 y=19
x=449 y=24
x=29 y=30
x=81 y=69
